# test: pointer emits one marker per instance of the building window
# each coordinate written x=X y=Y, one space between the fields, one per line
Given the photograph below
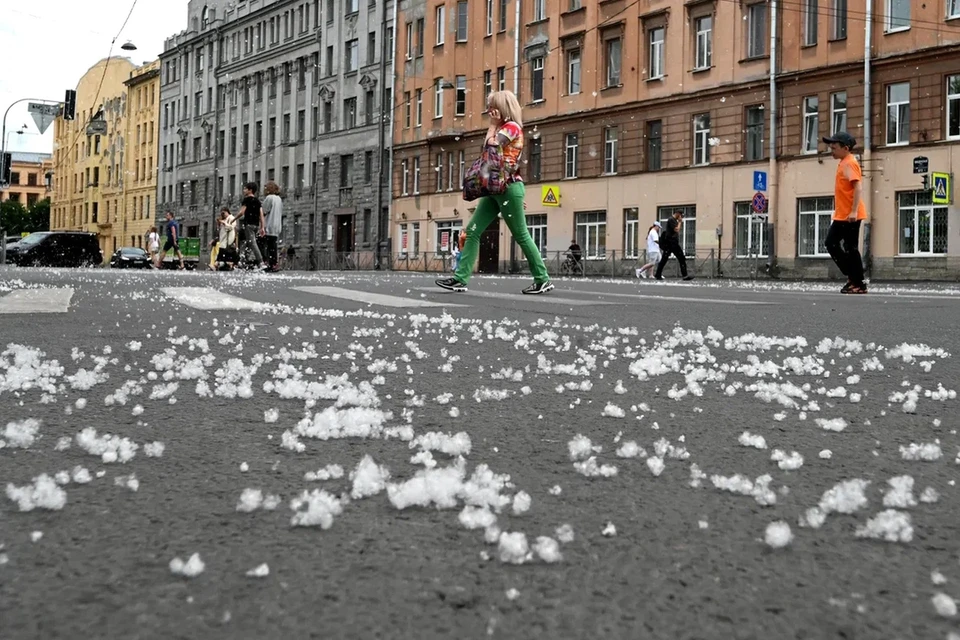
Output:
x=487 y=86
x=572 y=156
x=813 y=222
x=838 y=20
x=754 y=144
x=504 y=4
x=756 y=30
x=404 y=174
x=539 y=10
x=353 y=6
x=536 y=150
x=409 y=41
x=536 y=79
x=461 y=102
x=898 y=113
x=346 y=171
x=654 y=145
x=371 y=47
x=810 y=18
x=537 y=226
x=631 y=231
x=897 y=16
x=367 y=167
x=573 y=71
x=350 y=56
x=489 y=16
x=421 y=36
x=953 y=9
x=611 y=142
x=838 y=112
x=438 y=98
x=462 y=21
x=811 y=124
x=368 y=107
x=701 y=139
x=441 y=19
x=403 y=236
x=286 y=128
x=703 y=49
x=923 y=226
x=462 y=162
x=415 y=239
x=438 y=169
x=367 y=225
x=419 y=111
x=612 y=60
x=301 y=125
x=406 y=109
x=953 y=106
x=325 y=175
x=591 y=234
x=416 y=176
x=688 y=231
x=448 y=234
x=327 y=116
x=751 y=232
x=450 y=170
x=655 y=55
x=350 y=113
x=501 y=78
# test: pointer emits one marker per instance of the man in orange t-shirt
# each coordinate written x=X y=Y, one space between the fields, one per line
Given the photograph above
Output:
x=849 y=212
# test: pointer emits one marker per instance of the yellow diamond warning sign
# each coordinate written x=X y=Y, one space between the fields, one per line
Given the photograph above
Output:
x=550 y=195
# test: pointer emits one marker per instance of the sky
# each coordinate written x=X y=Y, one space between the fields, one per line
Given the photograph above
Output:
x=46 y=47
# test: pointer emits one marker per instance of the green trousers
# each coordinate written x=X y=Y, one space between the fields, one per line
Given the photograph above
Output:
x=510 y=204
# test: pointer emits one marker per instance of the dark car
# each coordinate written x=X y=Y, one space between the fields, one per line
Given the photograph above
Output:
x=130 y=258
x=56 y=249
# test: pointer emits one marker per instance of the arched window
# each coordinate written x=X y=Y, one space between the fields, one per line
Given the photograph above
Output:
x=205 y=17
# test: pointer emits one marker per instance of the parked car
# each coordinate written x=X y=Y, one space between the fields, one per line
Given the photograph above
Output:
x=56 y=249
x=130 y=258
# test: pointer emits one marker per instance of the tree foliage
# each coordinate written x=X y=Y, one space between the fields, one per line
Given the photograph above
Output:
x=15 y=219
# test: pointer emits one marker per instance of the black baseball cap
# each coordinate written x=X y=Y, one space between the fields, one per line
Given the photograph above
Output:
x=842 y=138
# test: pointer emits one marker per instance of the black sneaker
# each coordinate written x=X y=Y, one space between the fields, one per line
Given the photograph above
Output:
x=537 y=288
x=451 y=284
x=688 y=277
x=846 y=288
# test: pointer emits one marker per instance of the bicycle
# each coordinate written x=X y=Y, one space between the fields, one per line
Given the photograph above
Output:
x=571 y=266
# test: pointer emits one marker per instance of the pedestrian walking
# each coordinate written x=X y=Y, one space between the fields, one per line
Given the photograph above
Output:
x=172 y=242
x=251 y=211
x=849 y=212
x=504 y=140
x=273 y=212
x=670 y=245
x=653 y=250
x=226 y=249
x=153 y=243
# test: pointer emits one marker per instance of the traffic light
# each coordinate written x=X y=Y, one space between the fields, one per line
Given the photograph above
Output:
x=70 y=105
x=6 y=162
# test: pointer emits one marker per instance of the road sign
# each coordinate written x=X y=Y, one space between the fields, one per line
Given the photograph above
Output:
x=921 y=164
x=43 y=114
x=759 y=203
x=759 y=180
x=942 y=191
x=550 y=195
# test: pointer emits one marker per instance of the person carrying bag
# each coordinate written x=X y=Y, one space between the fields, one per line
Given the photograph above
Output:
x=494 y=180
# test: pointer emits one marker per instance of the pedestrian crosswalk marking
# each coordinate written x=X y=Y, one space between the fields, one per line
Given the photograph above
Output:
x=208 y=299
x=47 y=300
x=547 y=298
x=643 y=296
x=366 y=297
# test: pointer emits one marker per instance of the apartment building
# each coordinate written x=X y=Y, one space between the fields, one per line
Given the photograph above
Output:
x=285 y=90
x=89 y=156
x=138 y=210
x=636 y=109
x=29 y=173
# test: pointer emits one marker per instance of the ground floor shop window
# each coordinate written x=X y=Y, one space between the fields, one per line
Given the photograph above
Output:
x=631 y=229
x=592 y=234
x=923 y=227
x=813 y=222
x=537 y=225
x=751 y=232
x=448 y=235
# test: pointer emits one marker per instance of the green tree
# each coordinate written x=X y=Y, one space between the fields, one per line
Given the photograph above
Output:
x=13 y=218
x=38 y=217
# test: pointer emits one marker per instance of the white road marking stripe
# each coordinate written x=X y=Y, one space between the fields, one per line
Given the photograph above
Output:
x=674 y=298
x=365 y=297
x=548 y=298
x=51 y=300
x=207 y=299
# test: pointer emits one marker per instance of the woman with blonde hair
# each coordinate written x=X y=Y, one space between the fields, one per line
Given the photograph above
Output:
x=273 y=212
x=505 y=133
x=153 y=243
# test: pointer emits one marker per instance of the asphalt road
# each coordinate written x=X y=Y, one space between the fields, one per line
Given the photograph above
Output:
x=685 y=562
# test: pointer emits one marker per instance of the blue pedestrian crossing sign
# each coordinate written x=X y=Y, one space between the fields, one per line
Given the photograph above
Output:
x=941 y=188
x=759 y=180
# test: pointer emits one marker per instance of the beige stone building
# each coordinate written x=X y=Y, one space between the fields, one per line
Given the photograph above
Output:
x=28 y=178
x=89 y=178
x=633 y=110
x=137 y=204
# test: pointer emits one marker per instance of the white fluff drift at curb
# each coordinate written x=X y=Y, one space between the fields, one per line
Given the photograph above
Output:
x=189 y=569
x=42 y=494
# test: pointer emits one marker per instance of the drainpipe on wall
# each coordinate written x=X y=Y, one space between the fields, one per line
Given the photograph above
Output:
x=774 y=179
x=514 y=266
x=866 y=179
x=383 y=223
x=215 y=137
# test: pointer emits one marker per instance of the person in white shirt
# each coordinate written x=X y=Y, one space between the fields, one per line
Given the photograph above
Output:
x=653 y=250
x=153 y=243
x=225 y=250
x=273 y=211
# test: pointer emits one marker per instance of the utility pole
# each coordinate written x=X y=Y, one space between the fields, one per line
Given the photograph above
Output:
x=381 y=135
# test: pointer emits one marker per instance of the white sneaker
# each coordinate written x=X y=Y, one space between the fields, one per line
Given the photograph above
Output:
x=639 y=273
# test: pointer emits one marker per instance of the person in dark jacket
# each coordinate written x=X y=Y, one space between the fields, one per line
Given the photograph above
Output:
x=670 y=244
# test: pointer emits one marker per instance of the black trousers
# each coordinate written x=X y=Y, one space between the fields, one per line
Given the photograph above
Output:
x=843 y=243
x=675 y=249
x=273 y=256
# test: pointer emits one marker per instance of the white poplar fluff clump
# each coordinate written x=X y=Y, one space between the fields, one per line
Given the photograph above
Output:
x=778 y=534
